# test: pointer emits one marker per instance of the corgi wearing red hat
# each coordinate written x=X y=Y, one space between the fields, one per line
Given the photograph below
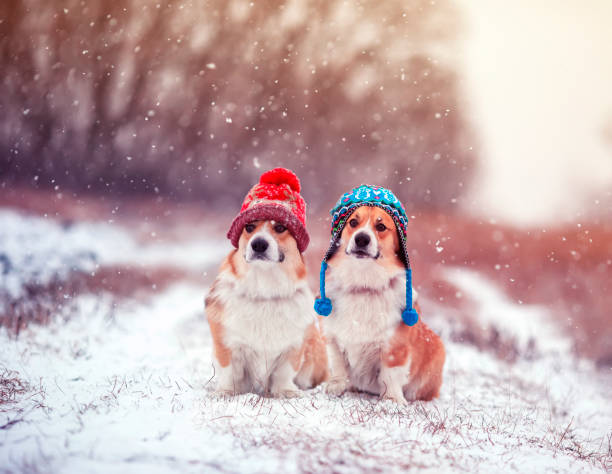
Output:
x=377 y=343
x=265 y=332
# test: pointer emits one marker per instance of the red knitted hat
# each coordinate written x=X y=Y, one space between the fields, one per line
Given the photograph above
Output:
x=276 y=197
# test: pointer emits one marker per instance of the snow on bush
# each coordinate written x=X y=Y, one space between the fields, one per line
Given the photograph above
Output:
x=36 y=252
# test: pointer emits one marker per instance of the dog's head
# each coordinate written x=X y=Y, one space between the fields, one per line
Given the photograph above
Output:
x=265 y=242
x=370 y=233
x=266 y=245
x=368 y=251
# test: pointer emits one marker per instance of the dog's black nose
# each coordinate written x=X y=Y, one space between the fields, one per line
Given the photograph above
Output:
x=362 y=240
x=259 y=245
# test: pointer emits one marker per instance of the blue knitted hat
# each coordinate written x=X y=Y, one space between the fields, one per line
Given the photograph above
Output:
x=366 y=195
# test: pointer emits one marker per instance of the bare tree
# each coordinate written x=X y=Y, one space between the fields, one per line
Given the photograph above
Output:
x=186 y=99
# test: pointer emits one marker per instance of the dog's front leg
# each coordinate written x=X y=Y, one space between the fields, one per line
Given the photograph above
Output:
x=282 y=378
x=391 y=380
x=228 y=364
x=230 y=379
x=339 y=380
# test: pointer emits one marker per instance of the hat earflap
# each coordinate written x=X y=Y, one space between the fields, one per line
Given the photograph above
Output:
x=409 y=315
x=323 y=305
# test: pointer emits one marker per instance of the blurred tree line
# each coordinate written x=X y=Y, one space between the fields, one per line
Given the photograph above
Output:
x=194 y=99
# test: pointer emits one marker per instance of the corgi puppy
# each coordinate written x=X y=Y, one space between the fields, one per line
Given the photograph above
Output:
x=370 y=348
x=265 y=333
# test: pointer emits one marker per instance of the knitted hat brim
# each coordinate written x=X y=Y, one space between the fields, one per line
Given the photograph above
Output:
x=274 y=212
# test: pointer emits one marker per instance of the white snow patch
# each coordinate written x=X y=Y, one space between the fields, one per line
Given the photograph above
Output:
x=36 y=250
x=524 y=322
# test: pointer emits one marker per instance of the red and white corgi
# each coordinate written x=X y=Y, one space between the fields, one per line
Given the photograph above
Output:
x=369 y=346
x=265 y=332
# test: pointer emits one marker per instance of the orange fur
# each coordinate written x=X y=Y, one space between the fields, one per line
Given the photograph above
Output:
x=214 y=315
x=229 y=263
x=424 y=350
x=314 y=355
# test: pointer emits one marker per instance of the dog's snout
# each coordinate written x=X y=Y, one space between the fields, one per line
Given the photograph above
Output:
x=362 y=240
x=259 y=245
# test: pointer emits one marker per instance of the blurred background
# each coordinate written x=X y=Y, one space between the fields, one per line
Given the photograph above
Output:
x=182 y=99
x=500 y=110
x=491 y=121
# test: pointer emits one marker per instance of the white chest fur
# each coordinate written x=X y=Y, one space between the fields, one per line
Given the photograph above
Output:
x=268 y=325
x=265 y=312
x=363 y=318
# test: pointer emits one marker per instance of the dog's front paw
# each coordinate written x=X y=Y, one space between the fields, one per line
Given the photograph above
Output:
x=285 y=390
x=225 y=392
x=229 y=389
x=286 y=393
x=399 y=399
x=337 y=386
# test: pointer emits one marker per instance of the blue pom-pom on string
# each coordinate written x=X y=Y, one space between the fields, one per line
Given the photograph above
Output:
x=323 y=306
x=410 y=316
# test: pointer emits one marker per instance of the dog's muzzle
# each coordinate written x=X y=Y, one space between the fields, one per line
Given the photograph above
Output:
x=264 y=248
x=363 y=245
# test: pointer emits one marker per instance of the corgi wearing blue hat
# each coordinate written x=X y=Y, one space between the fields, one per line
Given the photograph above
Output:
x=376 y=342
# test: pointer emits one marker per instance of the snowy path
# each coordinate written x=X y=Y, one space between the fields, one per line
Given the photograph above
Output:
x=127 y=388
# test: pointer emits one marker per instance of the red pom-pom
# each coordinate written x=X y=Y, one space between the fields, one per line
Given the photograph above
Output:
x=281 y=176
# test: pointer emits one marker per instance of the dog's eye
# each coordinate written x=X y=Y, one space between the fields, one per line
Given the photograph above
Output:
x=249 y=228
x=380 y=227
x=279 y=228
x=353 y=222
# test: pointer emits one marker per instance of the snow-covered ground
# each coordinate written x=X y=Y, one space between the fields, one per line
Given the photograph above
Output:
x=127 y=387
